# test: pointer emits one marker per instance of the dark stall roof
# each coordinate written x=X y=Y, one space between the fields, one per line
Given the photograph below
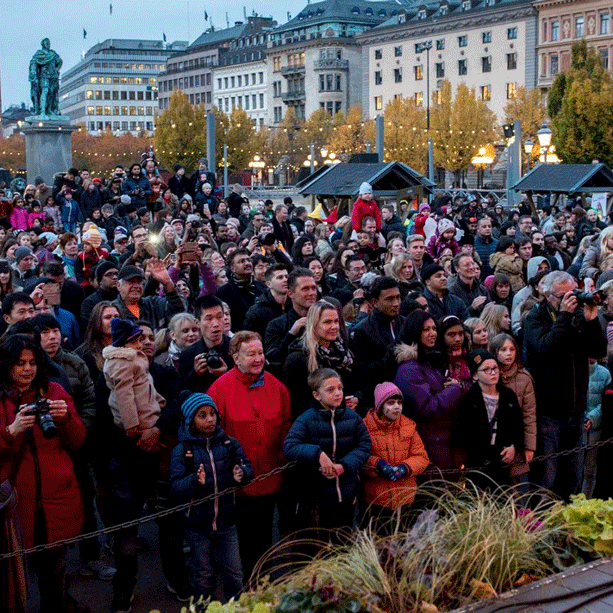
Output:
x=345 y=179
x=567 y=179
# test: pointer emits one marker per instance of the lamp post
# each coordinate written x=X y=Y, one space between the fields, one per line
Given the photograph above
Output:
x=257 y=165
x=528 y=146
x=481 y=161
x=544 y=136
x=420 y=48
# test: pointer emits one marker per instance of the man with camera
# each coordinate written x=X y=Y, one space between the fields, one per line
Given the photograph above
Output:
x=560 y=334
x=203 y=362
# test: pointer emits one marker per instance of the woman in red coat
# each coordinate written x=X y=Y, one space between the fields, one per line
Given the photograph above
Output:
x=34 y=456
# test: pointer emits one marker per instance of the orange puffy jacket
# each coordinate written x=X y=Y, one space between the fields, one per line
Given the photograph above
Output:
x=395 y=443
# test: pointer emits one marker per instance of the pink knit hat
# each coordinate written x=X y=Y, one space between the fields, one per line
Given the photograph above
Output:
x=423 y=206
x=383 y=392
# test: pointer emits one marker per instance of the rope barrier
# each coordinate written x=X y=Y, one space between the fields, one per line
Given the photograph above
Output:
x=276 y=471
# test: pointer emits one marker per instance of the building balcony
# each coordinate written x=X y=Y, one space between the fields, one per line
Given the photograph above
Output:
x=292 y=70
x=294 y=96
x=331 y=64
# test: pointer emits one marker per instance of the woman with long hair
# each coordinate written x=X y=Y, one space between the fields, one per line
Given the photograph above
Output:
x=504 y=348
x=395 y=247
x=337 y=277
x=496 y=319
x=301 y=249
x=430 y=395
x=453 y=345
x=599 y=249
x=403 y=270
x=182 y=332
x=97 y=336
x=8 y=249
x=6 y=279
x=35 y=450
x=323 y=247
x=478 y=335
x=168 y=241
x=324 y=344
x=314 y=264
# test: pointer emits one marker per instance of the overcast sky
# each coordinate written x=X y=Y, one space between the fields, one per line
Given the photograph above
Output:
x=26 y=22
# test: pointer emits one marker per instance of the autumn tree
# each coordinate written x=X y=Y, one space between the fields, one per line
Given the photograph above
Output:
x=317 y=129
x=242 y=139
x=582 y=110
x=13 y=153
x=528 y=108
x=404 y=136
x=180 y=133
x=350 y=134
x=459 y=127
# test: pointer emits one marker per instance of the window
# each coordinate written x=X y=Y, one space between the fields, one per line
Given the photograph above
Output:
x=462 y=68
x=486 y=93
x=91 y=110
x=246 y=103
x=604 y=57
x=440 y=44
x=378 y=54
x=466 y=5
x=397 y=75
x=261 y=101
x=398 y=51
x=378 y=103
x=511 y=61
x=462 y=40
x=239 y=81
x=604 y=23
x=511 y=33
x=440 y=70
x=378 y=77
x=544 y=30
x=553 y=61
x=438 y=96
x=444 y=9
x=511 y=90
x=276 y=63
x=486 y=37
x=419 y=98
x=261 y=76
x=486 y=63
x=419 y=72
x=89 y=94
x=579 y=31
x=555 y=30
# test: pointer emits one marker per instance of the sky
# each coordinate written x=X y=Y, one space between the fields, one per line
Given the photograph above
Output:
x=26 y=22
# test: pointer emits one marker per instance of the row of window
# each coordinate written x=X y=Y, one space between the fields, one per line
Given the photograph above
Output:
x=186 y=82
x=108 y=94
x=238 y=80
x=205 y=98
x=249 y=103
x=486 y=37
x=554 y=62
x=121 y=110
x=199 y=62
x=444 y=9
x=330 y=83
x=124 y=80
x=553 y=25
x=128 y=66
x=332 y=108
x=117 y=126
x=485 y=92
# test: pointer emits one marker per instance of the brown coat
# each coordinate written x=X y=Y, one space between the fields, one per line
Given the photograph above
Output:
x=133 y=399
x=510 y=265
x=395 y=443
x=520 y=381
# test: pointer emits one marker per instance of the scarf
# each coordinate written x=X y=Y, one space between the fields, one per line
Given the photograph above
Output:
x=173 y=352
x=336 y=356
x=245 y=285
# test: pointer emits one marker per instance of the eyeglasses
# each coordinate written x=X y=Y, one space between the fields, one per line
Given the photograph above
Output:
x=490 y=371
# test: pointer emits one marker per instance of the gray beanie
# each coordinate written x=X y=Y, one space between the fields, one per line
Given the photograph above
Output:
x=22 y=252
x=366 y=188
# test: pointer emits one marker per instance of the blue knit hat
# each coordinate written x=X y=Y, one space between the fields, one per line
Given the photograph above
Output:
x=193 y=403
x=124 y=331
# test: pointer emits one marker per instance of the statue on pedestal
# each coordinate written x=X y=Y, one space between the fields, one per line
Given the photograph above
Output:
x=44 y=75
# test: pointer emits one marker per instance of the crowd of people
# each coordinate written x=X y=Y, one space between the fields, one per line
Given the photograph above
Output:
x=162 y=344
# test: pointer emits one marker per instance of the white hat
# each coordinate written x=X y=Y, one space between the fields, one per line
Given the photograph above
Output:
x=366 y=188
x=445 y=224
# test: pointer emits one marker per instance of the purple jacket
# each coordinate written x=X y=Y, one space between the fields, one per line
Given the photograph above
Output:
x=430 y=403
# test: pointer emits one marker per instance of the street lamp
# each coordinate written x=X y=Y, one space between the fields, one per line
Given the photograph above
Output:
x=481 y=161
x=426 y=45
x=544 y=136
x=257 y=165
x=528 y=146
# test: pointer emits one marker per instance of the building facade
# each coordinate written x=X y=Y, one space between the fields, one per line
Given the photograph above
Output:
x=192 y=71
x=489 y=45
x=561 y=23
x=115 y=85
x=314 y=60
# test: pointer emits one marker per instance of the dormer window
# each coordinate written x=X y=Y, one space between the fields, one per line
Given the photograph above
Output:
x=466 y=5
x=355 y=10
x=382 y=13
x=369 y=12
x=421 y=14
x=402 y=16
x=444 y=9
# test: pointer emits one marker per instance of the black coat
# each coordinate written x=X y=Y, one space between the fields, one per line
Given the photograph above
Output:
x=265 y=309
x=180 y=186
x=283 y=234
x=450 y=305
x=239 y=300
x=201 y=383
x=394 y=225
x=235 y=201
x=277 y=340
x=557 y=347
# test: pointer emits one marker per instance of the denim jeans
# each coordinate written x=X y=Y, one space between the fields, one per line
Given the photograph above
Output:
x=215 y=551
x=590 y=464
x=562 y=475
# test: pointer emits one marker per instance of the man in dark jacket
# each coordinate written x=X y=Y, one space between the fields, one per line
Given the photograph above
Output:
x=156 y=310
x=467 y=285
x=485 y=245
x=281 y=227
x=559 y=337
x=283 y=330
x=197 y=177
x=272 y=303
x=391 y=221
x=194 y=365
x=240 y=292
x=106 y=276
x=235 y=200
x=373 y=339
x=179 y=184
x=440 y=302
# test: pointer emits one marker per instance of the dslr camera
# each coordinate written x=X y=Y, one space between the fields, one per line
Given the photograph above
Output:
x=591 y=298
x=213 y=360
x=40 y=409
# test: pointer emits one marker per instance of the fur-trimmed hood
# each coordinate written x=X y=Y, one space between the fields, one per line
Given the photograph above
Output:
x=125 y=353
x=405 y=352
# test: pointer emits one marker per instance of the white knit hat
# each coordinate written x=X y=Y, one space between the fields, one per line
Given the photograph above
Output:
x=366 y=188
x=445 y=224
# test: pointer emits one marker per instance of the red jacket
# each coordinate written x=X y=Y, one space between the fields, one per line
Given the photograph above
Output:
x=361 y=208
x=60 y=494
x=259 y=417
x=395 y=443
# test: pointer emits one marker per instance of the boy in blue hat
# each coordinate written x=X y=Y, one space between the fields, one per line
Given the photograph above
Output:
x=208 y=461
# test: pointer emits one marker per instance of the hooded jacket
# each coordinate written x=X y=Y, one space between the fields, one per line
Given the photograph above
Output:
x=523 y=294
x=510 y=265
x=133 y=400
x=342 y=435
x=396 y=443
x=218 y=454
x=600 y=379
x=361 y=208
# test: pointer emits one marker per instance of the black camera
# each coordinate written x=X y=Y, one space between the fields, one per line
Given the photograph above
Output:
x=212 y=359
x=592 y=298
x=40 y=409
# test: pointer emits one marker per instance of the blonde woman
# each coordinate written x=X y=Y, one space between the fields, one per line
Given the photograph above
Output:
x=323 y=345
x=402 y=269
x=496 y=319
x=478 y=335
x=182 y=332
x=600 y=248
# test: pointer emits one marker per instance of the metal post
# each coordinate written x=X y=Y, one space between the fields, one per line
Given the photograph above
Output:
x=312 y=153
x=379 y=136
x=368 y=147
x=210 y=140
x=226 y=191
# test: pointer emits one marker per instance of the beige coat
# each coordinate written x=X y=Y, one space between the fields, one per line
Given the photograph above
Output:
x=133 y=400
x=510 y=265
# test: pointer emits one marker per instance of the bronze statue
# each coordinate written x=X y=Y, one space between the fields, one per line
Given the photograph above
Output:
x=45 y=81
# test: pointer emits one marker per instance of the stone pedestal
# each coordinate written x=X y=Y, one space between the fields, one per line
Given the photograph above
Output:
x=48 y=147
